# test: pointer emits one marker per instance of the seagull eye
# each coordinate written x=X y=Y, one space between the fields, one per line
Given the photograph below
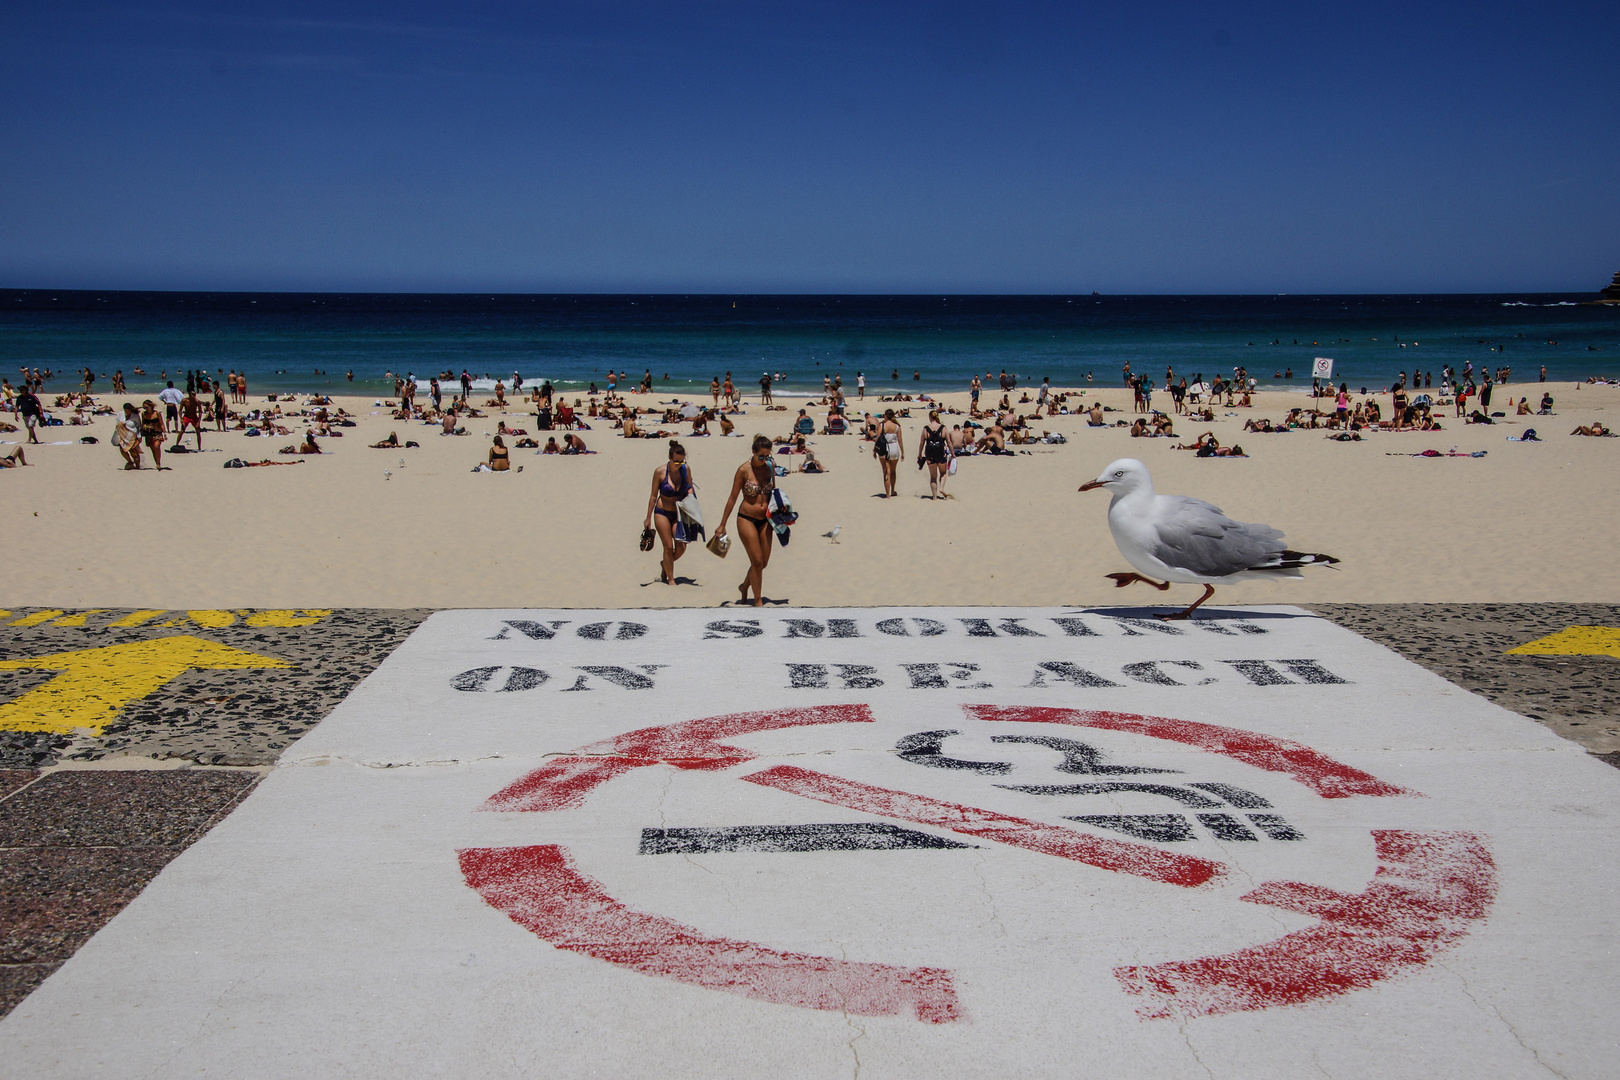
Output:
x=1120 y=473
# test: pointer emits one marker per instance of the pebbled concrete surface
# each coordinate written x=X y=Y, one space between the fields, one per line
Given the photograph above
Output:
x=209 y=717
x=1576 y=696
x=76 y=846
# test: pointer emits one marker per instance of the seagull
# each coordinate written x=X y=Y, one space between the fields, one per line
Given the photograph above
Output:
x=387 y=475
x=1188 y=540
x=832 y=534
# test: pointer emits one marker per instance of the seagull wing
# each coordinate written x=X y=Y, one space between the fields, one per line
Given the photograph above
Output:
x=1196 y=537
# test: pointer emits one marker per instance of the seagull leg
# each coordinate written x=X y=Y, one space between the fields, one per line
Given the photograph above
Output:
x=1209 y=591
x=1122 y=580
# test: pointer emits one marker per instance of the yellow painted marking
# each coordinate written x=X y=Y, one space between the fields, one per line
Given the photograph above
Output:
x=214 y=620
x=38 y=617
x=1574 y=641
x=136 y=618
x=77 y=618
x=96 y=684
x=288 y=617
x=5 y=614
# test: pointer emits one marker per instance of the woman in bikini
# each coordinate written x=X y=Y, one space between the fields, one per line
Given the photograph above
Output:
x=753 y=482
x=152 y=431
x=671 y=483
x=935 y=452
x=500 y=458
x=889 y=450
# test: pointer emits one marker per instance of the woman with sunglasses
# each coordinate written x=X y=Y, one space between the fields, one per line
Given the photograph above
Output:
x=753 y=481
x=671 y=483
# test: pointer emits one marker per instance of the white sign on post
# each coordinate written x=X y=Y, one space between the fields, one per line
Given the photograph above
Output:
x=1322 y=368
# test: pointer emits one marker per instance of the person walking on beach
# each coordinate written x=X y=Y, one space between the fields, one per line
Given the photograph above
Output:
x=765 y=388
x=127 y=437
x=752 y=484
x=671 y=482
x=221 y=410
x=466 y=384
x=152 y=431
x=935 y=452
x=973 y=392
x=29 y=409
x=860 y=386
x=714 y=390
x=888 y=449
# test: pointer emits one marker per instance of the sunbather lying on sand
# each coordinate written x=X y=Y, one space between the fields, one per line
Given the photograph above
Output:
x=1596 y=429
x=388 y=443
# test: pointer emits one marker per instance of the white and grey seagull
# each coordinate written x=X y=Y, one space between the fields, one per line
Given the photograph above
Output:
x=1187 y=540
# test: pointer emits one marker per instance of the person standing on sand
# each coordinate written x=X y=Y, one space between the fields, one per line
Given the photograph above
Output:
x=753 y=482
x=765 y=389
x=171 y=399
x=714 y=390
x=973 y=390
x=221 y=410
x=671 y=482
x=190 y=416
x=860 y=386
x=888 y=449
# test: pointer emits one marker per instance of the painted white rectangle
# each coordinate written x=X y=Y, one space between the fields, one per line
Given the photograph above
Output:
x=1443 y=865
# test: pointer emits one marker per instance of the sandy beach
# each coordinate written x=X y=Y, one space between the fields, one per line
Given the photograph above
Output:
x=1527 y=522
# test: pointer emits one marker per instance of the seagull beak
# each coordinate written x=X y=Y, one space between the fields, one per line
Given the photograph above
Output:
x=1093 y=484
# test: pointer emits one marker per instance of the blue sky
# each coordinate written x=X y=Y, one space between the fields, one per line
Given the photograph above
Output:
x=950 y=147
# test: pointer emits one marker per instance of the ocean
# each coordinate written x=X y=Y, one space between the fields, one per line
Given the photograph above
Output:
x=297 y=342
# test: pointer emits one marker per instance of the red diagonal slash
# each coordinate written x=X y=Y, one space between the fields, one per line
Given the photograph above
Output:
x=563 y=782
x=1119 y=855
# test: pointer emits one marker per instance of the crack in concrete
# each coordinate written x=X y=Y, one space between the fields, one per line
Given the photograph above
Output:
x=984 y=886
x=843 y=1009
x=1489 y=1008
x=162 y=1068
x=1186 y=1038
x=430 y=763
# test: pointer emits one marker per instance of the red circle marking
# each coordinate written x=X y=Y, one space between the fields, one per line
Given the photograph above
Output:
x=1429 y=890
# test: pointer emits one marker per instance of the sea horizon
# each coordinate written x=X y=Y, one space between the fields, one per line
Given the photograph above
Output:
x=311 y=341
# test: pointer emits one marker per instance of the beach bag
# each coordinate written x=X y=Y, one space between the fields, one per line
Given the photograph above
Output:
x=719 y=544
x=647 y=538
x=782 y=514
x=689 y=519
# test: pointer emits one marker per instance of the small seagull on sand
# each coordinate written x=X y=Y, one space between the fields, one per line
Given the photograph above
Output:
x=387 y=475
x=832 y=534
x=1187 y=540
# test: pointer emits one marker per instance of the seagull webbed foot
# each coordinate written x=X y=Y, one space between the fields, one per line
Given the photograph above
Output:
x=1122 y=580
x=1209 y=591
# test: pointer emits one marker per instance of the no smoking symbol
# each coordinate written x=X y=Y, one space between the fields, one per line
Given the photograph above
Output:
x=1428 y=892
